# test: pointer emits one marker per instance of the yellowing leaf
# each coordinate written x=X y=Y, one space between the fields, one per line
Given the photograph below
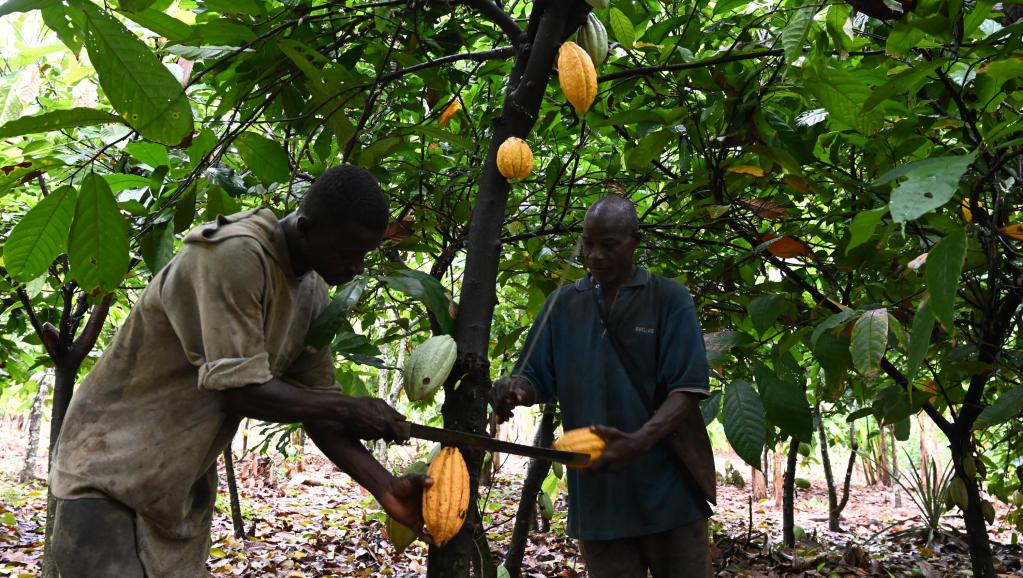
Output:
x=1015 y=231
x=645 y=45
x=967 y=213
x=747 y=170
x=449 y=113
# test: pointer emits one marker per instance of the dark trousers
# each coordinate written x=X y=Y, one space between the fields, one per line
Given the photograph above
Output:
x=679 y=553
x=95 y=538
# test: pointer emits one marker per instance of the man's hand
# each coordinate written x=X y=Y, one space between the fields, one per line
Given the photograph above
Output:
x=621 y=449
x=370 y=418
x=403 y=501
x=510 y=392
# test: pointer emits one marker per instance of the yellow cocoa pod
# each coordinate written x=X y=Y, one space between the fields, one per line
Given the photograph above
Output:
x=514 y=159
x=446 y=502
x=577 y=76
x=583 y=441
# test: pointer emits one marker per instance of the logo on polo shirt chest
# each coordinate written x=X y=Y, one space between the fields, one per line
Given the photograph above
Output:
x=644 y=330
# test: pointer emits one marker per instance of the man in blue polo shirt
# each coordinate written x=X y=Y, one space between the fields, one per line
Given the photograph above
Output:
x=634 y=510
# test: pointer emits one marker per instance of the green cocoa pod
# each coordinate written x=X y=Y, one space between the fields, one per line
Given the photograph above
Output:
x=957 y=491
x=428 y=366
x=970 y=467
x=546 y=506
x=988 y=509
x=592 y=37
x=1016 y=499
x=802 y=483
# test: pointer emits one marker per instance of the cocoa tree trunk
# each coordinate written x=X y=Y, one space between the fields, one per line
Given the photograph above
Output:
x=232 y=490
x=834 y=516
x=63 y=386
x=976 y=526
x=535 y=475
x=464 y=408
x=28 y=473
x=789 y=497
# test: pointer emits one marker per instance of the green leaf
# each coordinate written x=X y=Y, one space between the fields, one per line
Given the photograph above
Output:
x=647 y=150
x=40 y=236
x=134 y=5
x=10 y=177
x=942 y=270
x=137 y=84
x=1008 y=406
x=842 y=94
x=836 y=22
x=424 y=287
x=928 y=184
x=863 y=226
x=622 y=27
x=793 y=37
x=12 y=6
x=764 y=310
x=744 y=421
x=219 y=202
x=785 y=403
x=165 y=25
x=902 y=83
x=710 y=407
x=119 y=182
x=150 y=153
x=832 y=322
x=919 y=338
x=869 y=341
x=98 y=243
x=331 y=319
x=56 y=120
x=371 y=156
x=267 y=159
x=158 y=246
x=903 y=38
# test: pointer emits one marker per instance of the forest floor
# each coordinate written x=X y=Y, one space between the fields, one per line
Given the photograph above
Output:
x=306 y=519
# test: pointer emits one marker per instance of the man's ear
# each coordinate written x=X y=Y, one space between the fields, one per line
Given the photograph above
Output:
x=303 y=224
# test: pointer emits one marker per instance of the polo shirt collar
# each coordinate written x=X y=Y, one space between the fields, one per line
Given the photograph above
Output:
x=639 y=278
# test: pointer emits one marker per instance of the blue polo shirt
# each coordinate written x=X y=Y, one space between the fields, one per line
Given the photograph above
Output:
x=574 y=363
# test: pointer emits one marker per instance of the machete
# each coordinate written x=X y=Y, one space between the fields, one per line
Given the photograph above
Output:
x=479 y=442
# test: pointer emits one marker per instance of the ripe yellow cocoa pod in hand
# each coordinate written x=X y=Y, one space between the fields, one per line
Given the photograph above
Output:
x=446 y=502
x=583 y=441
x=577 y=76
x=514 y=159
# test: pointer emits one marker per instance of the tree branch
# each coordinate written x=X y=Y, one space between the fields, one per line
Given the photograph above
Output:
x=85 y=342
x=495 y=14
x=482 y=56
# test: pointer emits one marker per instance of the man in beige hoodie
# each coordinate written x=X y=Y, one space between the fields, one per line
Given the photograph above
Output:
x=219 y=335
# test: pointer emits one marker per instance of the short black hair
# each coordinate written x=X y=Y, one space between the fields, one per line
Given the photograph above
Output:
x=344 y=195
x=615 y=211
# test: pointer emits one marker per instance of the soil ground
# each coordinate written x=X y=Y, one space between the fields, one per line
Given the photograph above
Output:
x=304 y=518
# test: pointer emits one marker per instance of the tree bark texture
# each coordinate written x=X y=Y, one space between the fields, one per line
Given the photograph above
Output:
x=789 y=497
x=465 y=408
x=976 y=527
x=28 y=473
x=232 y=490
x=535 y=475
x=834 y=516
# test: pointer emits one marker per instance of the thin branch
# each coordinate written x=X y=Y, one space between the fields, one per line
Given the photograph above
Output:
x=85 y=342
x=495 y=14
x=482 y=56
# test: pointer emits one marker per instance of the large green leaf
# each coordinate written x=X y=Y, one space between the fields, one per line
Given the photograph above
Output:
x=901 y=83
x=265 y=157
x=12 y=6
x=710 y=407
x=764 y=310
x=942 y=271
x=424 y=287
x=839 y=26
x=869 y=341
x=793 y=37
x=1008 y=406
x=843 y=94
x=28 y=169
x=744 y=421
x=158 y=246
x=331 y=319
x=785 y=403
x=919 y=338
x=647 y=150
x=138 y=85
x=863 y=226
x=40 y=236
x=622 y=27
x=165 y=25
x=831 y=323
x=928 y=184
x=98 y=243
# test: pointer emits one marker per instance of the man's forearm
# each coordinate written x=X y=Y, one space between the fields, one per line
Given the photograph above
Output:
x=350 y=455
x=281 y=402
x=667 y=418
